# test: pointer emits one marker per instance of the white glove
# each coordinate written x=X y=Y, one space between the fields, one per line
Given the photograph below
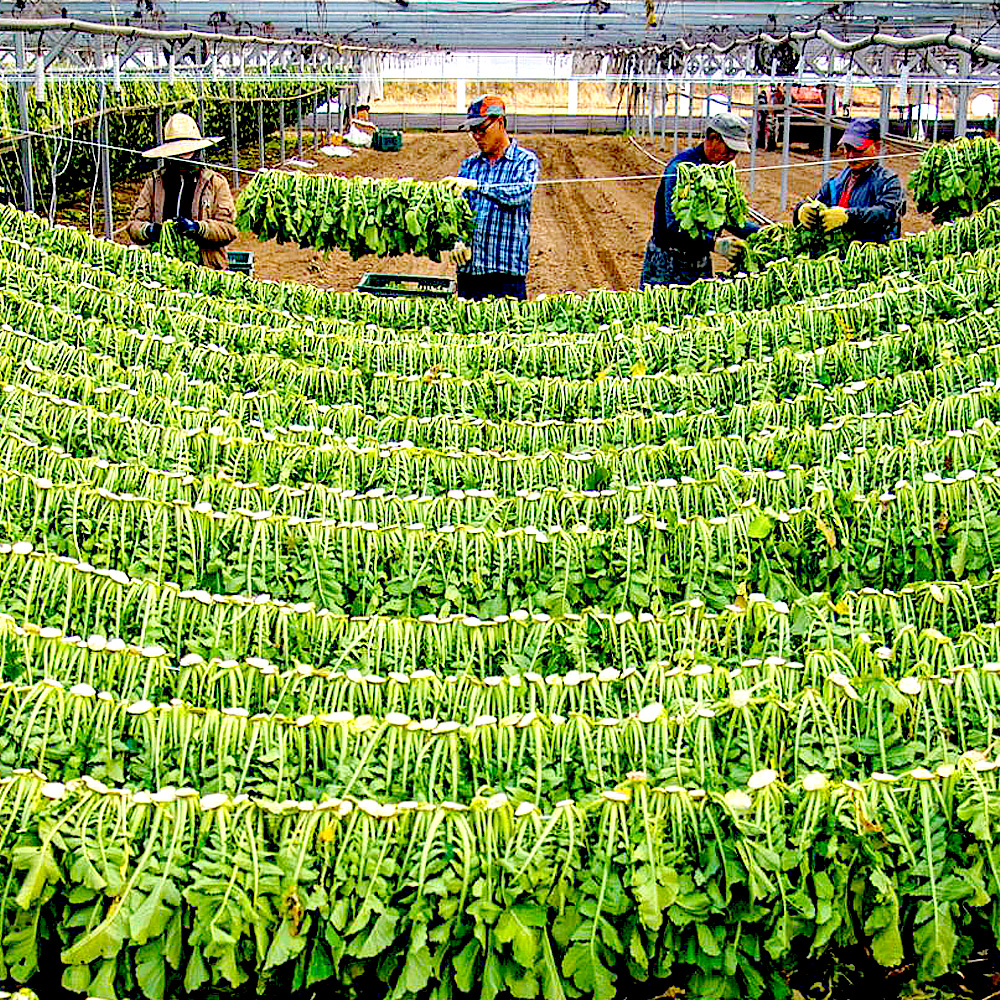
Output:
x=461 y=255
x=459 y=184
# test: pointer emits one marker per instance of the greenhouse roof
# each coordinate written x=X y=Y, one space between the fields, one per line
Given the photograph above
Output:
x=529 y=25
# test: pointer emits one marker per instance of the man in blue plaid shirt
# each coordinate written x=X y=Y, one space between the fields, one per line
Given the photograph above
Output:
x=499 y=181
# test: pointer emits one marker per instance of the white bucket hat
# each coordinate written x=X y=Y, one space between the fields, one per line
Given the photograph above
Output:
x=180 y=135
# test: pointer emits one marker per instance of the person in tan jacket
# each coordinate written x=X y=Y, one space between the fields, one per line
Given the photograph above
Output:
x=196 y=199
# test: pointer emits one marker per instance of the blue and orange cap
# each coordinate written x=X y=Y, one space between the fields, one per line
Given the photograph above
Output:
x=482 y=109
x=861 y=134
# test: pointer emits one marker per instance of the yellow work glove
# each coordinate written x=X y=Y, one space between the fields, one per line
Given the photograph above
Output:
x=833 y=218
x=809 y=213
x=461 y=255
x=730 y=247
x=460 y=185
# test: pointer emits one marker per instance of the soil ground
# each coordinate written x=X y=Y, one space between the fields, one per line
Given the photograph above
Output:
x=588 y=234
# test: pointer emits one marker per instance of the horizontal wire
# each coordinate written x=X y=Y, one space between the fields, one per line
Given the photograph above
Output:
x=538 y=183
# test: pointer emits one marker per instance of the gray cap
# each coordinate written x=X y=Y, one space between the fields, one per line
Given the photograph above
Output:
x=733 y=130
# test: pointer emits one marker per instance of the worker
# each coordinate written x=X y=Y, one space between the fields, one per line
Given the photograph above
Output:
x=770 y=118
x=763 y=119
x=864 y=200
x=674 y=256
x=499 y=181
x=194 y=198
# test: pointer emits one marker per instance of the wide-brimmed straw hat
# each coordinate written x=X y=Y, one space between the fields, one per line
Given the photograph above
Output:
x=180 y=135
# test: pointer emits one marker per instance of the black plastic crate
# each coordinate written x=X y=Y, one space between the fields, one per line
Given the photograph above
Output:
x=403 y=285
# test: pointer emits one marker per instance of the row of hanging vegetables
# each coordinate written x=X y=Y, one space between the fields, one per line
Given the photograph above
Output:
x=598 y=662
x=783 y=282
x=571 y=649
x=165 y=328
x=640 y=882
x=64 y=119
x=841 y=709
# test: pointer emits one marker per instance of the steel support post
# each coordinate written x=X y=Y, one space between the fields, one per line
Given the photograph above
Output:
x=663 y=112
x=281 y=130
x=754 y=132
x=677 y=114
x=786 y=145
x=962 y=100
x=201 y=114
x=315 y=115
x=690 y=114
x=24 y=145
x=885 y=99
x=298 y=126
x=260 y=135
x=234 y=133
x=831 y=89
x=109 y=222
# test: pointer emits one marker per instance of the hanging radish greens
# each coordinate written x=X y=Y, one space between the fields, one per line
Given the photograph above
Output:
x=707 y=197
x=954 y=179
x=63 y=109
x=179 y=247
x=584 y=647
x=779 y=242
x=363 y=215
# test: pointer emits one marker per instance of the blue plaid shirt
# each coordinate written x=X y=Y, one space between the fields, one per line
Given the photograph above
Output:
x=502 y=203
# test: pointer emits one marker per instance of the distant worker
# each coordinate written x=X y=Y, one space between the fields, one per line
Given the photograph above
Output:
x=865 y=200
x=674 y=256
x=197 y=200
x=499 y=181
x=769 y=117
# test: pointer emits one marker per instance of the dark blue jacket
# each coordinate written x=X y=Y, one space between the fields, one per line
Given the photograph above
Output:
x=667 y=232
x=876 y=206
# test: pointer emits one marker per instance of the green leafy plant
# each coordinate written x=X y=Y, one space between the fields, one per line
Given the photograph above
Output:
x=954 y=179
x=779 y=242
x=179 y=247
x=361 y=215
x=606 y=645
x=707 y=197
x=71 y=106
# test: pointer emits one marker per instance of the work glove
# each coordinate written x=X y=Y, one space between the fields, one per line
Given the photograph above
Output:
x=151 y=232
x=731 y=247
x=460 y=185
x=809 y=214
x=833 y=218
x=461 y=255
x=186 y=227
